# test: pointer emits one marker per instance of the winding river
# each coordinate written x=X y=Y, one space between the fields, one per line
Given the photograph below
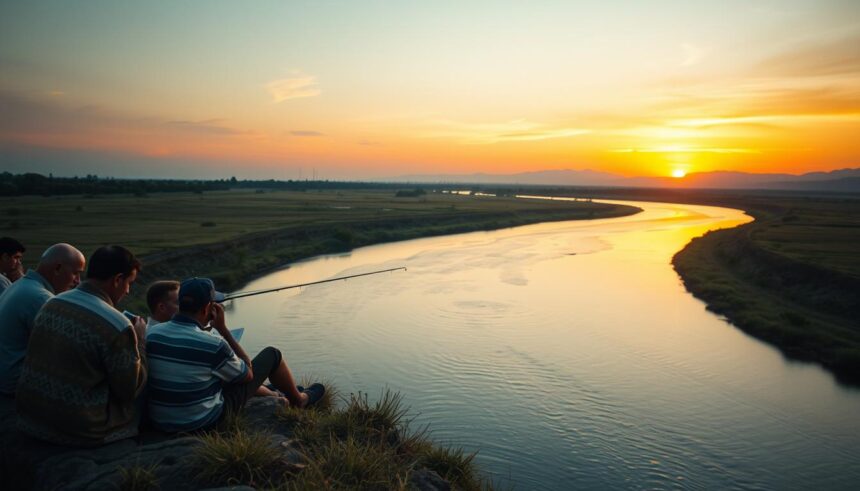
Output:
x=569 y=355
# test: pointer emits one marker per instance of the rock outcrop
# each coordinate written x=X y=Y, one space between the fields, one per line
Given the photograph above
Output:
x=29 y=464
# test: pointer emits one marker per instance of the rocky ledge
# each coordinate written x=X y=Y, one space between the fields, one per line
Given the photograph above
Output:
x=29 y=464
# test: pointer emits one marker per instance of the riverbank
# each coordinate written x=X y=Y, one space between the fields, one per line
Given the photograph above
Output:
x=235 y=236
x=790 y=278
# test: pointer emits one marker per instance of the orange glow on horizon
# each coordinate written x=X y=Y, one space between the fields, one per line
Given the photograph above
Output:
x=411 y=90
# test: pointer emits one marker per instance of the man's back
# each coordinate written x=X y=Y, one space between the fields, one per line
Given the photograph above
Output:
x=187 y=367
x=18 y=308
x=82 y=372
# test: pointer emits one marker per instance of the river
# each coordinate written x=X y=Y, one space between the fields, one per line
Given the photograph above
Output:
x=569 y=355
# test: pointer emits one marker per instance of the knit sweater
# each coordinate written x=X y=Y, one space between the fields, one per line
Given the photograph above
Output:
x=82 y=372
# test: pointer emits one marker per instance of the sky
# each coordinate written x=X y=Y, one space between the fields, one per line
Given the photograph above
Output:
x=378 y=89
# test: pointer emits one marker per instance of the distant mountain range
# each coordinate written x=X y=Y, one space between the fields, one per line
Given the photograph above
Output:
x=843 y=180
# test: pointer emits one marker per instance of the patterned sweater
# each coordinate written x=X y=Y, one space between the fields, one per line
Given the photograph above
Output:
x=82 y=372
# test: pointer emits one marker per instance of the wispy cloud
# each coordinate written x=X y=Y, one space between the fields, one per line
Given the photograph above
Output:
x=692 y=54
x=815 y=58
x=489 y=133
x=206 y=127
x=50 y=123
x=295 y=87
x=685 y=149
x=306 y=133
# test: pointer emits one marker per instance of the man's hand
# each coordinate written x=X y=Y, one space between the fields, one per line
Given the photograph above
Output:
x=218 y=322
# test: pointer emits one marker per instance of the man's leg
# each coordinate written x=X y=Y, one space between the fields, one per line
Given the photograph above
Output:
x=279 y=374
x=270 y=364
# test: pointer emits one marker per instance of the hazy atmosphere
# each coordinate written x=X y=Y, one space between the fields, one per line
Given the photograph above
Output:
x=391 y=245
x=358 y=90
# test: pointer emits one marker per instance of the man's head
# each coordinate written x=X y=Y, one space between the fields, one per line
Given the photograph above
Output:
x=113 y=269
x=162 y=297
x=11 y=254
x=62 y=265
x=196 y=296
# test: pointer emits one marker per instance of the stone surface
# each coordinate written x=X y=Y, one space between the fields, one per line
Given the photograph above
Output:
x=427 y=480
x=29 y=464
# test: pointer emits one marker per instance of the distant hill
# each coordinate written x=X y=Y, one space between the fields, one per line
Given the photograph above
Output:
x=558 y=177
x=843 y=180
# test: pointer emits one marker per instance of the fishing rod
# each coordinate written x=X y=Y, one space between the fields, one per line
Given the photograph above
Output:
x=232 y=296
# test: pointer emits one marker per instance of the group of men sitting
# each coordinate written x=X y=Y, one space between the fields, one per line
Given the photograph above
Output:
x=83 y=373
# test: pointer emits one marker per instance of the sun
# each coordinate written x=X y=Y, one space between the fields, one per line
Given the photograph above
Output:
x=679 y=173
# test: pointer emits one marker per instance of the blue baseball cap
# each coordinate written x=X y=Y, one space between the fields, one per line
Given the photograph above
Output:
x=195 y=293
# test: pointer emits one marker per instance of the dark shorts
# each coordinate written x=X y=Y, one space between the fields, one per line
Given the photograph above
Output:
x=263 y=365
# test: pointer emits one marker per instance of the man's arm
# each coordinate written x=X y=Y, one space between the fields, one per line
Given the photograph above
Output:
x=220 y=325
x=126 y=363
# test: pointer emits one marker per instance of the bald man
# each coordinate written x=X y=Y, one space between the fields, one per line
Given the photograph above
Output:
x=59 y=270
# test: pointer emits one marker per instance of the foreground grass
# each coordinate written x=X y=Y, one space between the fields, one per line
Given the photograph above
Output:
x=232 y=236
x=139 y=478
x=361 y=445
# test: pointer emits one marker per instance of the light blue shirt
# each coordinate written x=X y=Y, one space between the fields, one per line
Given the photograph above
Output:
x=5 y=283
x=19 y=305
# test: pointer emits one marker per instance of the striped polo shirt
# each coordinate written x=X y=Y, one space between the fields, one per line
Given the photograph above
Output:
x=187 y=369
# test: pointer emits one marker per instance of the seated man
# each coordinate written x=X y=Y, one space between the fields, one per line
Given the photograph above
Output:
x=196 y=376
x=162 y=298
x=59 y=270
x=11 y=254
x=85 y=366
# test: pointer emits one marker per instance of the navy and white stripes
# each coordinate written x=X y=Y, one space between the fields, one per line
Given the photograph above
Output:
x=187 y=369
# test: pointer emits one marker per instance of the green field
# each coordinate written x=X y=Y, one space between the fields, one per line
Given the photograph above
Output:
x=235 y=235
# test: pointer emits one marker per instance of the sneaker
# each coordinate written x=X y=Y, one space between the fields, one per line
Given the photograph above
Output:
x=315 y=393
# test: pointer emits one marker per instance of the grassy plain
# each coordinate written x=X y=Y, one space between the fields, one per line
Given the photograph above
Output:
x=232 y=236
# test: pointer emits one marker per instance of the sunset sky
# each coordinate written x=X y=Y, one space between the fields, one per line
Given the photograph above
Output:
x=375 y=89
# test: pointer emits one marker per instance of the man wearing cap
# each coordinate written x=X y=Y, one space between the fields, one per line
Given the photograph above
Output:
x=196 y=376
x=59 y=270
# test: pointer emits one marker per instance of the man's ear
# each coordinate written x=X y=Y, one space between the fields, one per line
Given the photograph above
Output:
x=117 y=280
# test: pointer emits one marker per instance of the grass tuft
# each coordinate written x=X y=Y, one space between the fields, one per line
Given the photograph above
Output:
x=454 y=464
x=138 y=478
x=363 y=444
x=240 y=457
x=352 y=464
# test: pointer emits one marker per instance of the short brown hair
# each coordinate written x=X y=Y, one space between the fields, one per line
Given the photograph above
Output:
x=157 y=291
x=109 y=261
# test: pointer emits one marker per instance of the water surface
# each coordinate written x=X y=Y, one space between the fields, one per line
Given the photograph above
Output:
x=569 y=355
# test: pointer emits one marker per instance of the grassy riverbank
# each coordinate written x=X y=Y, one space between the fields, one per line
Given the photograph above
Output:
x=233 y=236
x=791 y=277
